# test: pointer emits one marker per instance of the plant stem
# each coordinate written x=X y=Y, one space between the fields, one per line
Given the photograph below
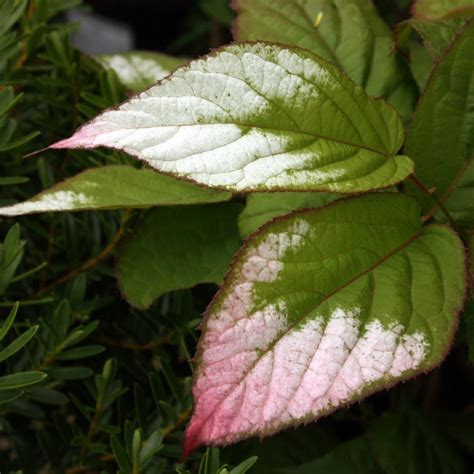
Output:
x=420 y=185
x=8 y=304
x=181 y=419
x=148 y=346
x=92 y=262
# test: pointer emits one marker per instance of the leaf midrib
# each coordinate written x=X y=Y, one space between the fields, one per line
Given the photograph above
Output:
x=452 y=187
x=259 y=127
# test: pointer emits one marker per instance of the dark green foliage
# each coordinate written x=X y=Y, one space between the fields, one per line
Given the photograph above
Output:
x=88 y=383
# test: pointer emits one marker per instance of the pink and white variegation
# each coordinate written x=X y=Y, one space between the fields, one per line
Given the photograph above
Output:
x=265 y=363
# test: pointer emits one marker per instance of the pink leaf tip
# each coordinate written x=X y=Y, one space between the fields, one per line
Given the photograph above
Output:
x=192 y=437
x=89 y=136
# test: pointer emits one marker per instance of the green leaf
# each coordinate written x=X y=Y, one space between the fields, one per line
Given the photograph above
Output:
x=136 y=443
x=218 y=10
x=437 y=36
x=440 y=138
x=7 y=100
x=441 y=9
x=254 y=117
x=9 y=321
x=80 y=333
x=47 y=395
x=21 y=141
x=349 y=33
x=412 y=442
x=18 y=343
x=210 y=461
x=11 y=254
x=177 y=248
x=115 y=187
x=321 y=308
x=284 y=450
x=10 y=13
x=244 y=466
x=21 y=379
x=352 y=457
x=460 y=201
x=150 y=447
x=7 y=396
x=120 y=455
x=138 y=70
x=11 y=180
x=82 y=352
x=420 y=64
x=263 y=207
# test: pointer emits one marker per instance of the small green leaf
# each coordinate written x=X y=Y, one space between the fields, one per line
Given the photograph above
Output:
x=19 y=142
x=436 y=36
x=9 y=321
x=11 y=255
x=10 y=180
x=7 y=101
x=138 y=70
x=349 y=33
x=80 y=333
x=263 y=207
x=308 y=321
x=244 y=466
x=47 y=395
x=21 y=379
x=150 y=447
x=7 y=396
x=81 y=352
x=136 y=443
x=18 y=343
x=210 y=461
x=120 y=455
x=60 y=321
x=177 y=248
x=258 y=117
x=10 y=13
x=114 y=187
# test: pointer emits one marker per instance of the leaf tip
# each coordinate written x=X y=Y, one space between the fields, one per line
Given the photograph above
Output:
x=77 y=140
x=192 y=438
x=85 y=137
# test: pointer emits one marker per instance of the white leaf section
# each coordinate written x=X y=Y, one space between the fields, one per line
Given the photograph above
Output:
x=56 y=201
x=311 y=369
x=258 y=116
x=115 y=187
